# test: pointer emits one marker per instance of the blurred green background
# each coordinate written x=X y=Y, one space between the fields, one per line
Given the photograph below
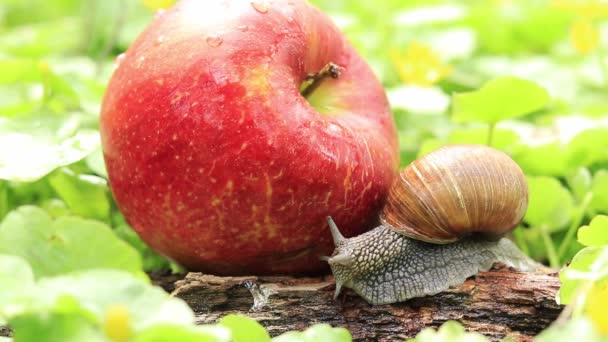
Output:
x=529 y=77
x=57 y=56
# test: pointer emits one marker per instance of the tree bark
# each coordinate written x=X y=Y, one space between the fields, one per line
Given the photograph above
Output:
x=498 y=303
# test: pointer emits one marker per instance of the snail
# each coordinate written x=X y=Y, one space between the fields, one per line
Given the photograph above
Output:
x=444 y=220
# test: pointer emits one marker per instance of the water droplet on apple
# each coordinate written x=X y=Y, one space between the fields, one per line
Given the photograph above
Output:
x=260 y=6
x=214 y=40
x=159 y=12
x=119 y=60
x=159 y=40
x=243 y=28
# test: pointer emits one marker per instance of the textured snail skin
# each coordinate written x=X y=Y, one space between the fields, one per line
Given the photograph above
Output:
x=384 y=267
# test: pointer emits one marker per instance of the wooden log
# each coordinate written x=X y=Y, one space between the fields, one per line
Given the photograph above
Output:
x=498 y=303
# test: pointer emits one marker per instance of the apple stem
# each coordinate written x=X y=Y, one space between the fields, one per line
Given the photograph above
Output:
x=314 y=80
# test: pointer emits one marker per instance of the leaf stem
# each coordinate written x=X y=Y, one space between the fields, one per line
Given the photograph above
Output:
x=551 y=254
x=491 y=129
x=578 y=219
x=3 y=199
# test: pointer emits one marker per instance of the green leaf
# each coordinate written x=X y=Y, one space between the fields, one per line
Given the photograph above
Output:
x=86 y=195
x=244 y=328
x=499 y=99
x=588 y=147
x=450 y=331
x=117 y=302
x=99 y=291
x=16 y=278
x=168 y=332
x=579 y=182
x=48 y=140
x=19 y=70
x=586 y=266
x=151 y=260
x=55 y=207
x=599 y=187
x=430 y=145
x=513 y=29
x=54 y=247
x=596 y=233
x=317 y=332
x=501 y=138
x=58 y=325
x=40 y=39
x=96 y=163
x=576 y=329
x=549 y=159
x=15 y=274
x=550 y=203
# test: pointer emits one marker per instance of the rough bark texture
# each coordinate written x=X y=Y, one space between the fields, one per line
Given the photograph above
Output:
x=497 y=303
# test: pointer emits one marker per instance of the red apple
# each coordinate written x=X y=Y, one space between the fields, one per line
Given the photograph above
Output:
x=217 y=160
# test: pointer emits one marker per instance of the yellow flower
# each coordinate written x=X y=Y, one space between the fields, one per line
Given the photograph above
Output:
x=596 y=306
x=158 y=4
x=420 y=65
x=117 y=325
x=584 y=36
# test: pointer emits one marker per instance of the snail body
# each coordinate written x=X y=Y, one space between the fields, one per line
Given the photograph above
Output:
x=443 y=222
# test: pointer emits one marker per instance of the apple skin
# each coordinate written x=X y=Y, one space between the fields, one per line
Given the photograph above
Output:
x=215 y=158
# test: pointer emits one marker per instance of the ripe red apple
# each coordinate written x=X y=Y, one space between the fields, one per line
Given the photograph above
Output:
x=217 y=160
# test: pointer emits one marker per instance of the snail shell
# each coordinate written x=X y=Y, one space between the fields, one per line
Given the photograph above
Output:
x=455 y=191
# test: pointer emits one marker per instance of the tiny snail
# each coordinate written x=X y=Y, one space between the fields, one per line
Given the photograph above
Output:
x=443 y=221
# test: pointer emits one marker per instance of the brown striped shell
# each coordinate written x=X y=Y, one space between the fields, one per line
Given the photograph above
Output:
x=455 y=191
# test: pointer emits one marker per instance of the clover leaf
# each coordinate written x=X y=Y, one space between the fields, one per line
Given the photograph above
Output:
x=502 y=98
x=586 y=266
x=542 y=160
x=85 y=195
x=37 y=144
x=596 y=233
x=502 y=138
x=599 y=187
x=63 y=245
x=550 y=203
x=448 y=332
x=579 y=182
x=182 y=333
x=108 y=303
x=317 y=332
x=244 y=328
x=577 y=329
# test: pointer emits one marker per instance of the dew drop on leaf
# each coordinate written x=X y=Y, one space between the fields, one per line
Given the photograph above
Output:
x=260 y=6
x=214 y=40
